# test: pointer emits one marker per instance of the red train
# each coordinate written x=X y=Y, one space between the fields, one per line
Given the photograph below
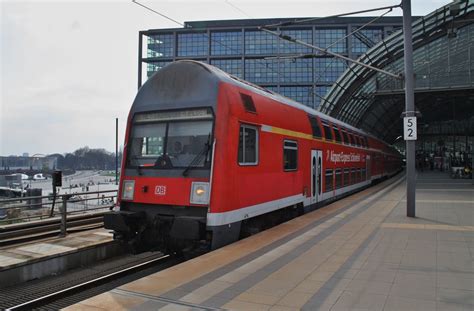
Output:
x=209 y=157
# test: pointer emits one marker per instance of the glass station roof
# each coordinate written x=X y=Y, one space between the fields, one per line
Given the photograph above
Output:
x=443 y=44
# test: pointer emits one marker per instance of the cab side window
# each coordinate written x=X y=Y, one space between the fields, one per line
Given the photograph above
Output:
x=290 y=155
x=248 y=145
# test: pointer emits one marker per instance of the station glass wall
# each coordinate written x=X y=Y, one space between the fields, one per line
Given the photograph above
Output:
x=193 y=44
x=332 y=38
x=232 y=66
x=226 y=43
x=264 y=59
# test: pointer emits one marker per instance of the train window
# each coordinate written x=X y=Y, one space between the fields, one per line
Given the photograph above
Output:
x=356 y=139
x=327 y=131
x=351 y=139
x=315 y=126
x=167 y=145
x=346 y=138
x=346 y=176
x=337 y=134
x=338 y=178
x=353 y=176
x=148 y=140
x=290 y=155
x=248 y=145
x=247 y=101
x=366 y=141
x=328 y=180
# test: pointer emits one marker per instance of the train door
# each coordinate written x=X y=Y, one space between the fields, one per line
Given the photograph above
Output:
x=316 y=173
x=368 y=167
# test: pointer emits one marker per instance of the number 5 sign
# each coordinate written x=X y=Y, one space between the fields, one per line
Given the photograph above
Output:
x=409 y=128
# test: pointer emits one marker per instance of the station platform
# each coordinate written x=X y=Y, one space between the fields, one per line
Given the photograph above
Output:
x=36 y=259
x=359 y=253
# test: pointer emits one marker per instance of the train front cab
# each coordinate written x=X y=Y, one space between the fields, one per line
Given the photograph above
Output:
x=165 y=183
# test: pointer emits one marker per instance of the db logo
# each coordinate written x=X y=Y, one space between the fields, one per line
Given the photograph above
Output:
x=160 y=190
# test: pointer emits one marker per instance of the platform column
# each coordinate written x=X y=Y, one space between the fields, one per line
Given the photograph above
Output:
x=409 y=105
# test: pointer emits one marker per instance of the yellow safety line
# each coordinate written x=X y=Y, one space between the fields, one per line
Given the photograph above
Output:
x=427 y=227
x=443 y=201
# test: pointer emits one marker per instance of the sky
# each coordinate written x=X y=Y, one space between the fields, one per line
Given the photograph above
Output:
x=69 y=68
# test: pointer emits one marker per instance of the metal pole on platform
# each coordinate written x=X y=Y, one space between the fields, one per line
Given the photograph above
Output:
x=116 y=151
x=64 y=216
x=140 y=54
x=409 y=105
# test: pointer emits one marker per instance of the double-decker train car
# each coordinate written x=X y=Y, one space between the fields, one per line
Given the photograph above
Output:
x=209 y=157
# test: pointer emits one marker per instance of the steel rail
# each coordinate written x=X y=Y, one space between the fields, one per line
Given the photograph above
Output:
x=28 y=305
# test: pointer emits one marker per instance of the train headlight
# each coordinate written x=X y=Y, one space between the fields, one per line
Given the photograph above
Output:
x=128 y=189
x=199 y=193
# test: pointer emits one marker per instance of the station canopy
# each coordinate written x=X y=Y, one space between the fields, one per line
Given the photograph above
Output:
x=443 y=56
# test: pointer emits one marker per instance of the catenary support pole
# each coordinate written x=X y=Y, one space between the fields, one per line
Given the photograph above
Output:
x=140 y=54
x=409 y=106
x=64 y=217
x=116 y=151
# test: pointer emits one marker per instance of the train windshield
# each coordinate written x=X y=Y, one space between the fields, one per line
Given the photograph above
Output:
x=179 y=144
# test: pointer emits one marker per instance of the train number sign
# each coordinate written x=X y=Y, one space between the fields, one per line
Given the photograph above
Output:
x=409 y=128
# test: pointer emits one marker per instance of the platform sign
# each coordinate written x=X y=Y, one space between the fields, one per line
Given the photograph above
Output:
x=409 y=128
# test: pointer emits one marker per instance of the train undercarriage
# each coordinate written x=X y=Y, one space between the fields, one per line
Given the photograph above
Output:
x=164 y=228
x=169 y=230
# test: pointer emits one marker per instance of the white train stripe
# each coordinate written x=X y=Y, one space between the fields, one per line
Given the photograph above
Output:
x=218 y=219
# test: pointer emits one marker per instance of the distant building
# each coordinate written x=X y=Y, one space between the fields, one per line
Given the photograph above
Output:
x=35 y=162
x=239 y=48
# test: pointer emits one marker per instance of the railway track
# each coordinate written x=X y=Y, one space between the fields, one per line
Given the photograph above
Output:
x=60 y=291
x=28 y=231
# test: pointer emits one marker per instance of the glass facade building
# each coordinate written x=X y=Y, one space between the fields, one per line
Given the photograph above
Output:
x=239 y=48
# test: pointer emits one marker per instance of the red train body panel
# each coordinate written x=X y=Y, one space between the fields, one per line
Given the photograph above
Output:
x=258 y=153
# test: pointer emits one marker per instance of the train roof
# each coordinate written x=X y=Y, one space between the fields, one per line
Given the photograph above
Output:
x=185 y=79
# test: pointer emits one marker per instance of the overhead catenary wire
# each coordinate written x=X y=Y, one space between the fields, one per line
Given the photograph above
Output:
x=331 y=45
x=311 y=88
x=299 y=21
x=161 y=14
x=291 y=39
x=326 y=50
x=360 y=28
x=237 y=8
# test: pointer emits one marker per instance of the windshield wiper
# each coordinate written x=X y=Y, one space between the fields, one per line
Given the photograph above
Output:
x=197 y=158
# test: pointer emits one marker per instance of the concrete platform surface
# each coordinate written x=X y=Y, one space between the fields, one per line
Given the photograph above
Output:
x=359 y=253
x=27 y=253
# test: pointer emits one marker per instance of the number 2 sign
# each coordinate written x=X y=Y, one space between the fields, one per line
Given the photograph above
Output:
x=409 y=128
